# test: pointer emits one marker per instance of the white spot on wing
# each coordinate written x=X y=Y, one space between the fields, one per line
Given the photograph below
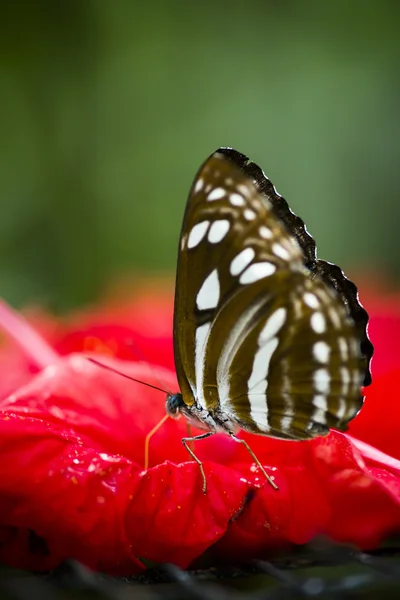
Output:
x=233 y=342
x=197 y=234
x=318 y=323
x=198 y=185
x=208 y=295
x=216 y=194
x=335 y=318
x=249 y=214
x=322 y=381
x=257 y=271
x=286 y=422
x=236 y=199
x=345 y=376
x=319 y=416
x=280 y=251
x=258 y=381
x=354 y=347
x=272 y=326
x=320 y=401
x=321 y=352
x=265 y=232
x=343 y=349
x=311 y=300
x=321 y=408
x=341 y=411
x=200 y=353
x=357 y=378
x=243 y=189
x=242 y=260
x=218 y=231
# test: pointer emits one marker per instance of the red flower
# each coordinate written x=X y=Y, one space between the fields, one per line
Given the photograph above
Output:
x=72 y=482
x=378 y=421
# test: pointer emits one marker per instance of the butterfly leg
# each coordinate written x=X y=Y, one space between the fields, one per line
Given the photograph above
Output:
x=189 y=434
x=149 y=436
x=250 y=451
x=192 y=454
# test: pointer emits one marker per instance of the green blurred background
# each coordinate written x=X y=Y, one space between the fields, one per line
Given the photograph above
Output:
x=108 y=108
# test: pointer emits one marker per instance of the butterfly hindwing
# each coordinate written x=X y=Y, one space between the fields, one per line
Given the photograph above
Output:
x=305 y=374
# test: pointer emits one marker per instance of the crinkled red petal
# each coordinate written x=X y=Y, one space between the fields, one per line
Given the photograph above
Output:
x=60 y=498
x=71 y=481
x=376 y=422
x=365 y=500
x=329 y=488
x=67 y=474
x=170 y=519
x=64 y=499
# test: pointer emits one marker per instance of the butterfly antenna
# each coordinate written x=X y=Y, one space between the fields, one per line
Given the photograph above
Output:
x=113 y=370
x=141 y=358
x=154 y=387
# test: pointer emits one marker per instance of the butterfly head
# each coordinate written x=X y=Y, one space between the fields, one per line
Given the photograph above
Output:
x=195 y=415
x=174 y=405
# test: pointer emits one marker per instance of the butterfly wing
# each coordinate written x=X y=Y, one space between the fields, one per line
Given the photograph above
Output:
x=257 y=338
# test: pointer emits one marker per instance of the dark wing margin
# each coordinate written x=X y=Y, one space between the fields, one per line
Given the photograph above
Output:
x=331 y=274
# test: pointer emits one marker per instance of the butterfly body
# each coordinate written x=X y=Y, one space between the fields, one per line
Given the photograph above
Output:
x=267 y=338
x=213 y=419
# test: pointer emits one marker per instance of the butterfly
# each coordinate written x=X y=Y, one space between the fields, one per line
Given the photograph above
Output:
x=267 y=339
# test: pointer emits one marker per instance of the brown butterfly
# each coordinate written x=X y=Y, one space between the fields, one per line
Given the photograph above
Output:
x=267 y=338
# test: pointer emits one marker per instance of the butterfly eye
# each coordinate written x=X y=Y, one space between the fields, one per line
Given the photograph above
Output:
x=174 y=403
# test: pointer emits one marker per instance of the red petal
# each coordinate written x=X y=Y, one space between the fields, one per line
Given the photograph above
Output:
x=277 y=518
x=118 y=341
x=365 y=501
x=114 y=412
x=325 y=487
x=71 y=496
x=294 y=513
x=137 y=329
x=72 y=443
x=99 y=508
x=375 y=423
x=383 y=305
x=170 y=519
x=62 y=460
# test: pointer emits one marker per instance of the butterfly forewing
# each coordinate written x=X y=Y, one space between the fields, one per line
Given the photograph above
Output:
x=223 y=210
x=257 y=339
